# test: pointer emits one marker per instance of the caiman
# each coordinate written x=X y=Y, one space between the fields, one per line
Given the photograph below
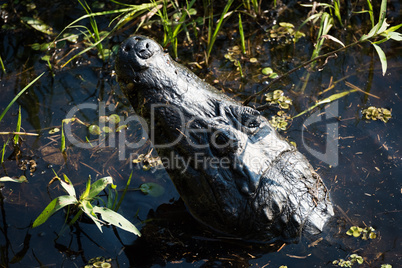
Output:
x=232 y=169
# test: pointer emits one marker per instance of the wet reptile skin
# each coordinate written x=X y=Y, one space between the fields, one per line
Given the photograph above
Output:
x=242 y=179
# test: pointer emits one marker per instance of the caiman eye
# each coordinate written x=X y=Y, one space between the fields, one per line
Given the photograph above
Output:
x=250 y=120
x=223 y=142
x=246 y=116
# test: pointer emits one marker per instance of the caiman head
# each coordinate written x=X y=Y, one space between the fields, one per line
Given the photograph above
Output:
x=233 y=170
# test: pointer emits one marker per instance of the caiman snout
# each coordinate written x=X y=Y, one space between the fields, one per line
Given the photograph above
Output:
x=143 y=47
x=136 y=53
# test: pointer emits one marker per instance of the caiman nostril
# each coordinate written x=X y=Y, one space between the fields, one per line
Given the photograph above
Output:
x=127 y=48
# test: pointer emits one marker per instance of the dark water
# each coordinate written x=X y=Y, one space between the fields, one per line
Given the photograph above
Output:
x=362 y=172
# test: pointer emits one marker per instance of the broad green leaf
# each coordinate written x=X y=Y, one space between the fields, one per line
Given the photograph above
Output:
x=21 y=179
x=88 y=209
x=68 y=185
x=381 y=26
x=383 y=58
x=377 y=29
x=395 y=36
x=98 y=186
x=153 y=189
x=116 y=219
x=393 y=28
x=55 y=205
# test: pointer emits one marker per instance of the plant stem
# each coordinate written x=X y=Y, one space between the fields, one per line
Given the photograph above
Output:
x=247 y=100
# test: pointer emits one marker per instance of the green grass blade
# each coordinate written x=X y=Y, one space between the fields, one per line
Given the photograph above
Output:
x=63 y=138
x=370 y=7
x=18 y=95
x=18 y=129
x=2 y=65
x=337 y=7
x=241 y=32
x=3 y=151
x=218 y=27
x=124 y=192
x=326 y=100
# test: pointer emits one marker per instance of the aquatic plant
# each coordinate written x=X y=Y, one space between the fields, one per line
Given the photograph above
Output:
x=172 y=26
x=352 y=259
x=2 y=65
x=366 y=232
x=100 y=262
x=124 y=16
x=374 y=113
x=379 y=30
x=17 y=132
x=212 y=34
x=278 y=97
x=284 y=31
x=85 y=204
x=280 y=120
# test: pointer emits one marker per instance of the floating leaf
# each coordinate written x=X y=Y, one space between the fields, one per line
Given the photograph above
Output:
x=94 y=129
x=121 y=128
x=116 y=219
x=107 y=129
x=267 y=71
x=38 y=25
x=54 y=206
x=114 y=119
x=153 y=189
x=54 y=130
x=273 y=75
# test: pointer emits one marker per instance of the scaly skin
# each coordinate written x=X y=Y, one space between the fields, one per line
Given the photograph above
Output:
x=243 y=178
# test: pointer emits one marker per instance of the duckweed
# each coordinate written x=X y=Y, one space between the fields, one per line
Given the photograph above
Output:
x=374 y=113
x=278 y=97
x=367 y=233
